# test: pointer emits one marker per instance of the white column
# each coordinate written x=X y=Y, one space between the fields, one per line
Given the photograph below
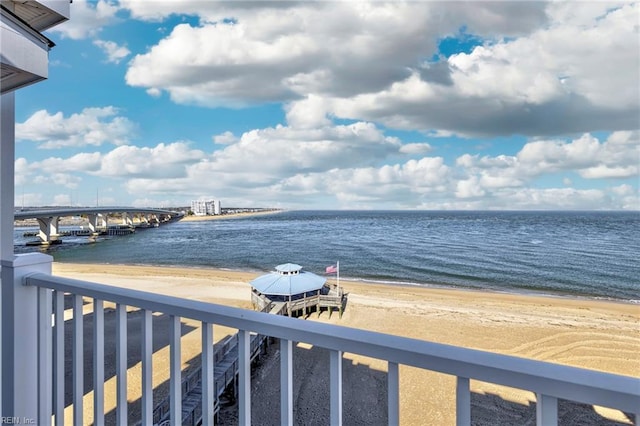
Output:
x=93 y=222
x=7 y=158
x=48 y=228
x=104 y=220
x=7 y=155
x=53 y=228
x=20 y=336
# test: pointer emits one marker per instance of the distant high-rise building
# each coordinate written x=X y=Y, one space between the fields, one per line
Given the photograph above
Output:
x=205 y=207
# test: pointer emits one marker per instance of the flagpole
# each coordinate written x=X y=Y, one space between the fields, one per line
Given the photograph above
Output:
x=338 y=275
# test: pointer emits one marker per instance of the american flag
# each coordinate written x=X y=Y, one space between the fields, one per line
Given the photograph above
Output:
x=331 y=269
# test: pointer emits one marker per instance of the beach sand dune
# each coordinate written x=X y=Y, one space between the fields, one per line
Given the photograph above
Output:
x=599 y=335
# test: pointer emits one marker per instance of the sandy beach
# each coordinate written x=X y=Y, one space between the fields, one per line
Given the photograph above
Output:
x=194 y=218
x=599 y=335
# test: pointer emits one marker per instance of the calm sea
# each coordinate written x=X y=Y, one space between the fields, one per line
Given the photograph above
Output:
x=591 y=254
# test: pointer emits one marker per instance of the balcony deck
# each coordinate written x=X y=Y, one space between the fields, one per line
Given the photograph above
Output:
x=549 y=381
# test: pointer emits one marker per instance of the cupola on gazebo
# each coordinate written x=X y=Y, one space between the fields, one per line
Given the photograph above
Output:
x=290 y=289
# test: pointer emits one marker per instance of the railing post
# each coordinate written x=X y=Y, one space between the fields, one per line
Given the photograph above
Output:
x=121 y=364
x=286 y=382
x=209 y=388
x=147 y=369
x=244 y=377
x=546 y=410
x=335 y=387
x=463 y=402
x=175 y=377
x=20 y=336
x=58 y=359
x=45 y=348
x=393 y=394
x=78 y=360
x=98 y=362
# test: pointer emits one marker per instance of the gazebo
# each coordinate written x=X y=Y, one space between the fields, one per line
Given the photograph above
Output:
x=290 y=289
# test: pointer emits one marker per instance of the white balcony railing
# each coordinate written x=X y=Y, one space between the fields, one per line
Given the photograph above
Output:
x=549 y=381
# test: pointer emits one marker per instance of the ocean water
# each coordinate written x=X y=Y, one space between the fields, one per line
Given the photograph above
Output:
x=587 y=254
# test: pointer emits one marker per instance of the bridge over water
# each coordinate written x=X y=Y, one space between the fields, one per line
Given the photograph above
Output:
x=98 y=218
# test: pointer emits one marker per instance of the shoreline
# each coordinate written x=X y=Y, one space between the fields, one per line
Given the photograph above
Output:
x=194 y=218
x=390 y=284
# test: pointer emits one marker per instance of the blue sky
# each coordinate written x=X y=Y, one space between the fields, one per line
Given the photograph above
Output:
x=337 y=105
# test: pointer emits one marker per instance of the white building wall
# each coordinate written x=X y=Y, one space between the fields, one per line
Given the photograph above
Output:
x=205 y=207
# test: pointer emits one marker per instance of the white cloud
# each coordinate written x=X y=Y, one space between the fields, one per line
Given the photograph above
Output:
x=623 y=190
x=275 y=51
x=415 y=148
x=267 y=168
x=166 y=161
x=83 y=162
x=616 y=157
x=87 y=19
x=114 y=52
x=154 y=92
x=29 y=199
x=401 y=185
x=543 y=70
x=61 y=200
x=22 y=171
x=225 y=138
x=92 y=126
x=566 y=77
x=552 y=198
x=300 y=162
x=469 y=188
x=149 y=202
x=308 y=113
x=268 y=154
x=66 y=180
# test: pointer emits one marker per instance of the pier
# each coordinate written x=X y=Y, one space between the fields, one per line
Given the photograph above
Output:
x=225 y=378
x=331 y=299
x=302 y=293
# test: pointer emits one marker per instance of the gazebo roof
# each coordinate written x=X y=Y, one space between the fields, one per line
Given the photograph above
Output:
x=287 y=280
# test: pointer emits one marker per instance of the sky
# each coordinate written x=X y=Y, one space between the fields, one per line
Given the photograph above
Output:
x=337 y=105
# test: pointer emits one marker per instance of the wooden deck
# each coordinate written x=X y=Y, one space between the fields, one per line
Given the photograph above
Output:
x=301 y=306
x=225 y=374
